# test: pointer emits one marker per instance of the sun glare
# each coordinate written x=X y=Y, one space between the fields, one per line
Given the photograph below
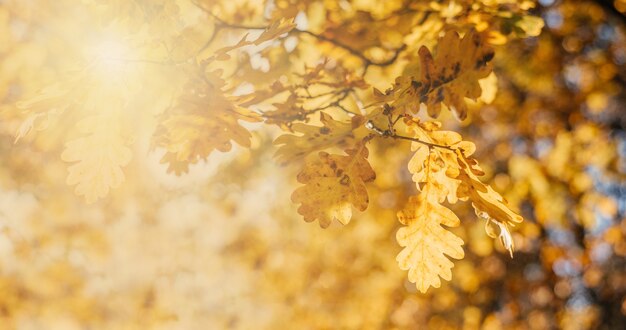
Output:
x=112 y=57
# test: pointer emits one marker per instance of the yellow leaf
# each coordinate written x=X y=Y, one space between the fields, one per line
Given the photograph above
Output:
x=489 y=87
x=203 y=120
x=275 y=30
x=38 y=120
x=503 y=232
x=50 y=101
x=98 y=157
x=531 y=25
x=441 y=162
x=483 y=197
x=426 y=242
x=445 y=167
x=333 y=185
x=488 y=204
x=316 y=138
x=450 y=76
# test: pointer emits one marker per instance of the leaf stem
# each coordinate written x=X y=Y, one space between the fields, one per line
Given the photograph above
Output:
x=389 y=134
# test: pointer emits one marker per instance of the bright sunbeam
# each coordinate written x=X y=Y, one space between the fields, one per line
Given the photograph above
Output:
x=112 y=57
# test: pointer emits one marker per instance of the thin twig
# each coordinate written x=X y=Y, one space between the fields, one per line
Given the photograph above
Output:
x=389 y=134
x=366 y=60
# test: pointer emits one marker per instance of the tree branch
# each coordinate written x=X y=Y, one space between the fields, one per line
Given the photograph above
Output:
x=389 y=134
x=366 y=60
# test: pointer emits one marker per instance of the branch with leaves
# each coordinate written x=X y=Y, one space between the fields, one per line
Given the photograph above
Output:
x=221 y=75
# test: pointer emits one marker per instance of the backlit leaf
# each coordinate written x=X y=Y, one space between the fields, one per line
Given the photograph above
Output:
x=334 y=184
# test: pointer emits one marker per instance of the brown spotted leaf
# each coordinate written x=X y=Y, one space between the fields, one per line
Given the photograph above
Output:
x=450 y=76
x=333 y=185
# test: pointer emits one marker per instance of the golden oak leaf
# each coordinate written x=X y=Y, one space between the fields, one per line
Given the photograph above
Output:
x=424 y=239
x=442 y=160
x=315 y=138
x=488 y=204
x=99 y=158
x=273 y=31
x=49 y=102
x=502 y=231
x=203 y=120
x=222 y=53
x=426 y=243
x=484 y=198
x=50 y=97
x=174 y=165
x=263 y=94
x=333 y=185
x=450 y=76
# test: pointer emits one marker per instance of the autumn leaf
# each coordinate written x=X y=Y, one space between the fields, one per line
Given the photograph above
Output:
x=455 y=176
x=315 y=138
x=203 y=120
x=174 y=165
x=49 y=102
x=98 y=157
x=276 y=29
x=526 y=26
x=450 y=76
x=488 y=204
x=286 y=112
x=333 y=185
x=443 y=164
x=426 y=243
x=483 y=197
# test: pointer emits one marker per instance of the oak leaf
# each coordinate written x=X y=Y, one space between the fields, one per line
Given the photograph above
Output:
x=448 y=77
x=426 y=243
x=442 y=169
x=204 y=119
x=488 y=204
x=49 y=102
x=276 y=29
x=315 y=138
x=98 y=157
x=424 y=240
x=333 y=184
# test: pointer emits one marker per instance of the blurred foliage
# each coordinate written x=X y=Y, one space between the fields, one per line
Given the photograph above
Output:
x=158 y=156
